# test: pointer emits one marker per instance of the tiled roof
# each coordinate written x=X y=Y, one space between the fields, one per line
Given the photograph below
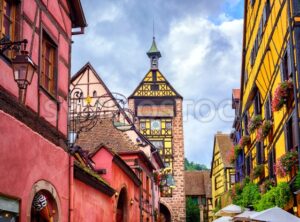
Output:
x=225 y=144
x=236 y=93
x=198 y=183
x=104 y=133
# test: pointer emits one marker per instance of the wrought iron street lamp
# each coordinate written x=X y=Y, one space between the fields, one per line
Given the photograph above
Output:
x=23 y=66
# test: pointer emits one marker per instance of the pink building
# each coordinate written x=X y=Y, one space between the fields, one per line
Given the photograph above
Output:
x=35 y=170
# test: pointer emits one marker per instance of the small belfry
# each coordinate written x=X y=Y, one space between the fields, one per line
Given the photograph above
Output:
x=158 y=108
x=154 y=55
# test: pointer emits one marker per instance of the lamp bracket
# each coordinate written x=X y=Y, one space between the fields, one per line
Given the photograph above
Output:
x=6 y=44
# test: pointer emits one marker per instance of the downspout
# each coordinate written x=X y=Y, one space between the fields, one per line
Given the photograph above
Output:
x=71 y=188
x=295 y=91
x=141 y=191
x=153 y=195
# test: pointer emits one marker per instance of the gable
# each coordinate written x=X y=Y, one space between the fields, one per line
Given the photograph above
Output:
x=155 y=84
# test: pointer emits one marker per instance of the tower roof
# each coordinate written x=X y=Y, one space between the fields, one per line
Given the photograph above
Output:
x=153 y=51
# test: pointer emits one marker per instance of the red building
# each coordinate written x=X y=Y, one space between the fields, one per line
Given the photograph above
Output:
x=125 y=160
x=35 y=170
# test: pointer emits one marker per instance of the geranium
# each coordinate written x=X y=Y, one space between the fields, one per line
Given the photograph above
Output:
x=259 y=134
x=281 y=95
x=245 y=140
x=254 y=123
x=230 y=155
x=285 y=163
x=263 y=131
x=157 y=177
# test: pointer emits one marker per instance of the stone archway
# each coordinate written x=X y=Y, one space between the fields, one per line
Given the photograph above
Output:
x=121 y=215
x=45 y=204
x=165 y=214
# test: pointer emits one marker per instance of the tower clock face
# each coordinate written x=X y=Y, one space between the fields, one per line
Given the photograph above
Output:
x=155 y=125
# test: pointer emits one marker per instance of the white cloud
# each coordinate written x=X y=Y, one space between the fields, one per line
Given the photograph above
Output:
x=203 y=63
x=201 y=58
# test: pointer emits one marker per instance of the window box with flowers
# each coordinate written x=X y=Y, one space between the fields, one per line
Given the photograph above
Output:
x=254 y=123
x=157 y=177
x=230 y=155
x=258 y=171
x=281 y=95
x=244 y=141
x=264 y=130
x=286 y=164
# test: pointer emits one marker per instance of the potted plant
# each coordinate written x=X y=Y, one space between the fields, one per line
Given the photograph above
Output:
x=254 y=123
x=244 y=141
x=281 y=94
x=286 y=162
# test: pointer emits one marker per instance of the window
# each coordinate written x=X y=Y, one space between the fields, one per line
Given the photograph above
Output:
x=8 y=23
x=245 y=120
x=154 y=87
x=259 y=153
x=266 y=12
x=290 y=132
x=232 y=179
x=257 y=104
x=48 y=71
x=248 y=165
x=271 y=163
x=7 y=19
x=252 y=2
x=9 y=209
x=168 y=125
x=268 y=108
x=143 y=125
x=158 y=144
x=285 y=65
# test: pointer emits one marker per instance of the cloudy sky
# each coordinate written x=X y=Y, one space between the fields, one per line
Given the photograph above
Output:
x=200 y=42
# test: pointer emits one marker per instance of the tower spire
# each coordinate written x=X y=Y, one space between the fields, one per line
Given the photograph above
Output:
x=154 y=54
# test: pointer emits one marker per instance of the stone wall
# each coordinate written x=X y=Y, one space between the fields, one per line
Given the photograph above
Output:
x=176 y=203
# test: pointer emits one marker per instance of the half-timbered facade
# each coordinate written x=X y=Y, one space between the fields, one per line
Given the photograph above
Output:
x=222 y=171
x=269 y=113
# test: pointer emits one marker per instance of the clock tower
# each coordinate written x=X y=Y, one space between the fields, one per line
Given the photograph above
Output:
x=158 y=108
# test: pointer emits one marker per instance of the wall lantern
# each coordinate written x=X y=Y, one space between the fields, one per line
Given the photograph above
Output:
x=23 y=66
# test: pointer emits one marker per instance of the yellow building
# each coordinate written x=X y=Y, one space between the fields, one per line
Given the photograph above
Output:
x=222 y=171
x=269 y=83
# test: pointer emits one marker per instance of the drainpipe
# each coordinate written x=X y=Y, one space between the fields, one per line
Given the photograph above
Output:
x=71 y=188
x=295 y=91
x=153 y=195
x=141 y=191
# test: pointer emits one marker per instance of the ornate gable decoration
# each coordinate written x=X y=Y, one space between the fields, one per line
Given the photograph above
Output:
x=155 y=85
